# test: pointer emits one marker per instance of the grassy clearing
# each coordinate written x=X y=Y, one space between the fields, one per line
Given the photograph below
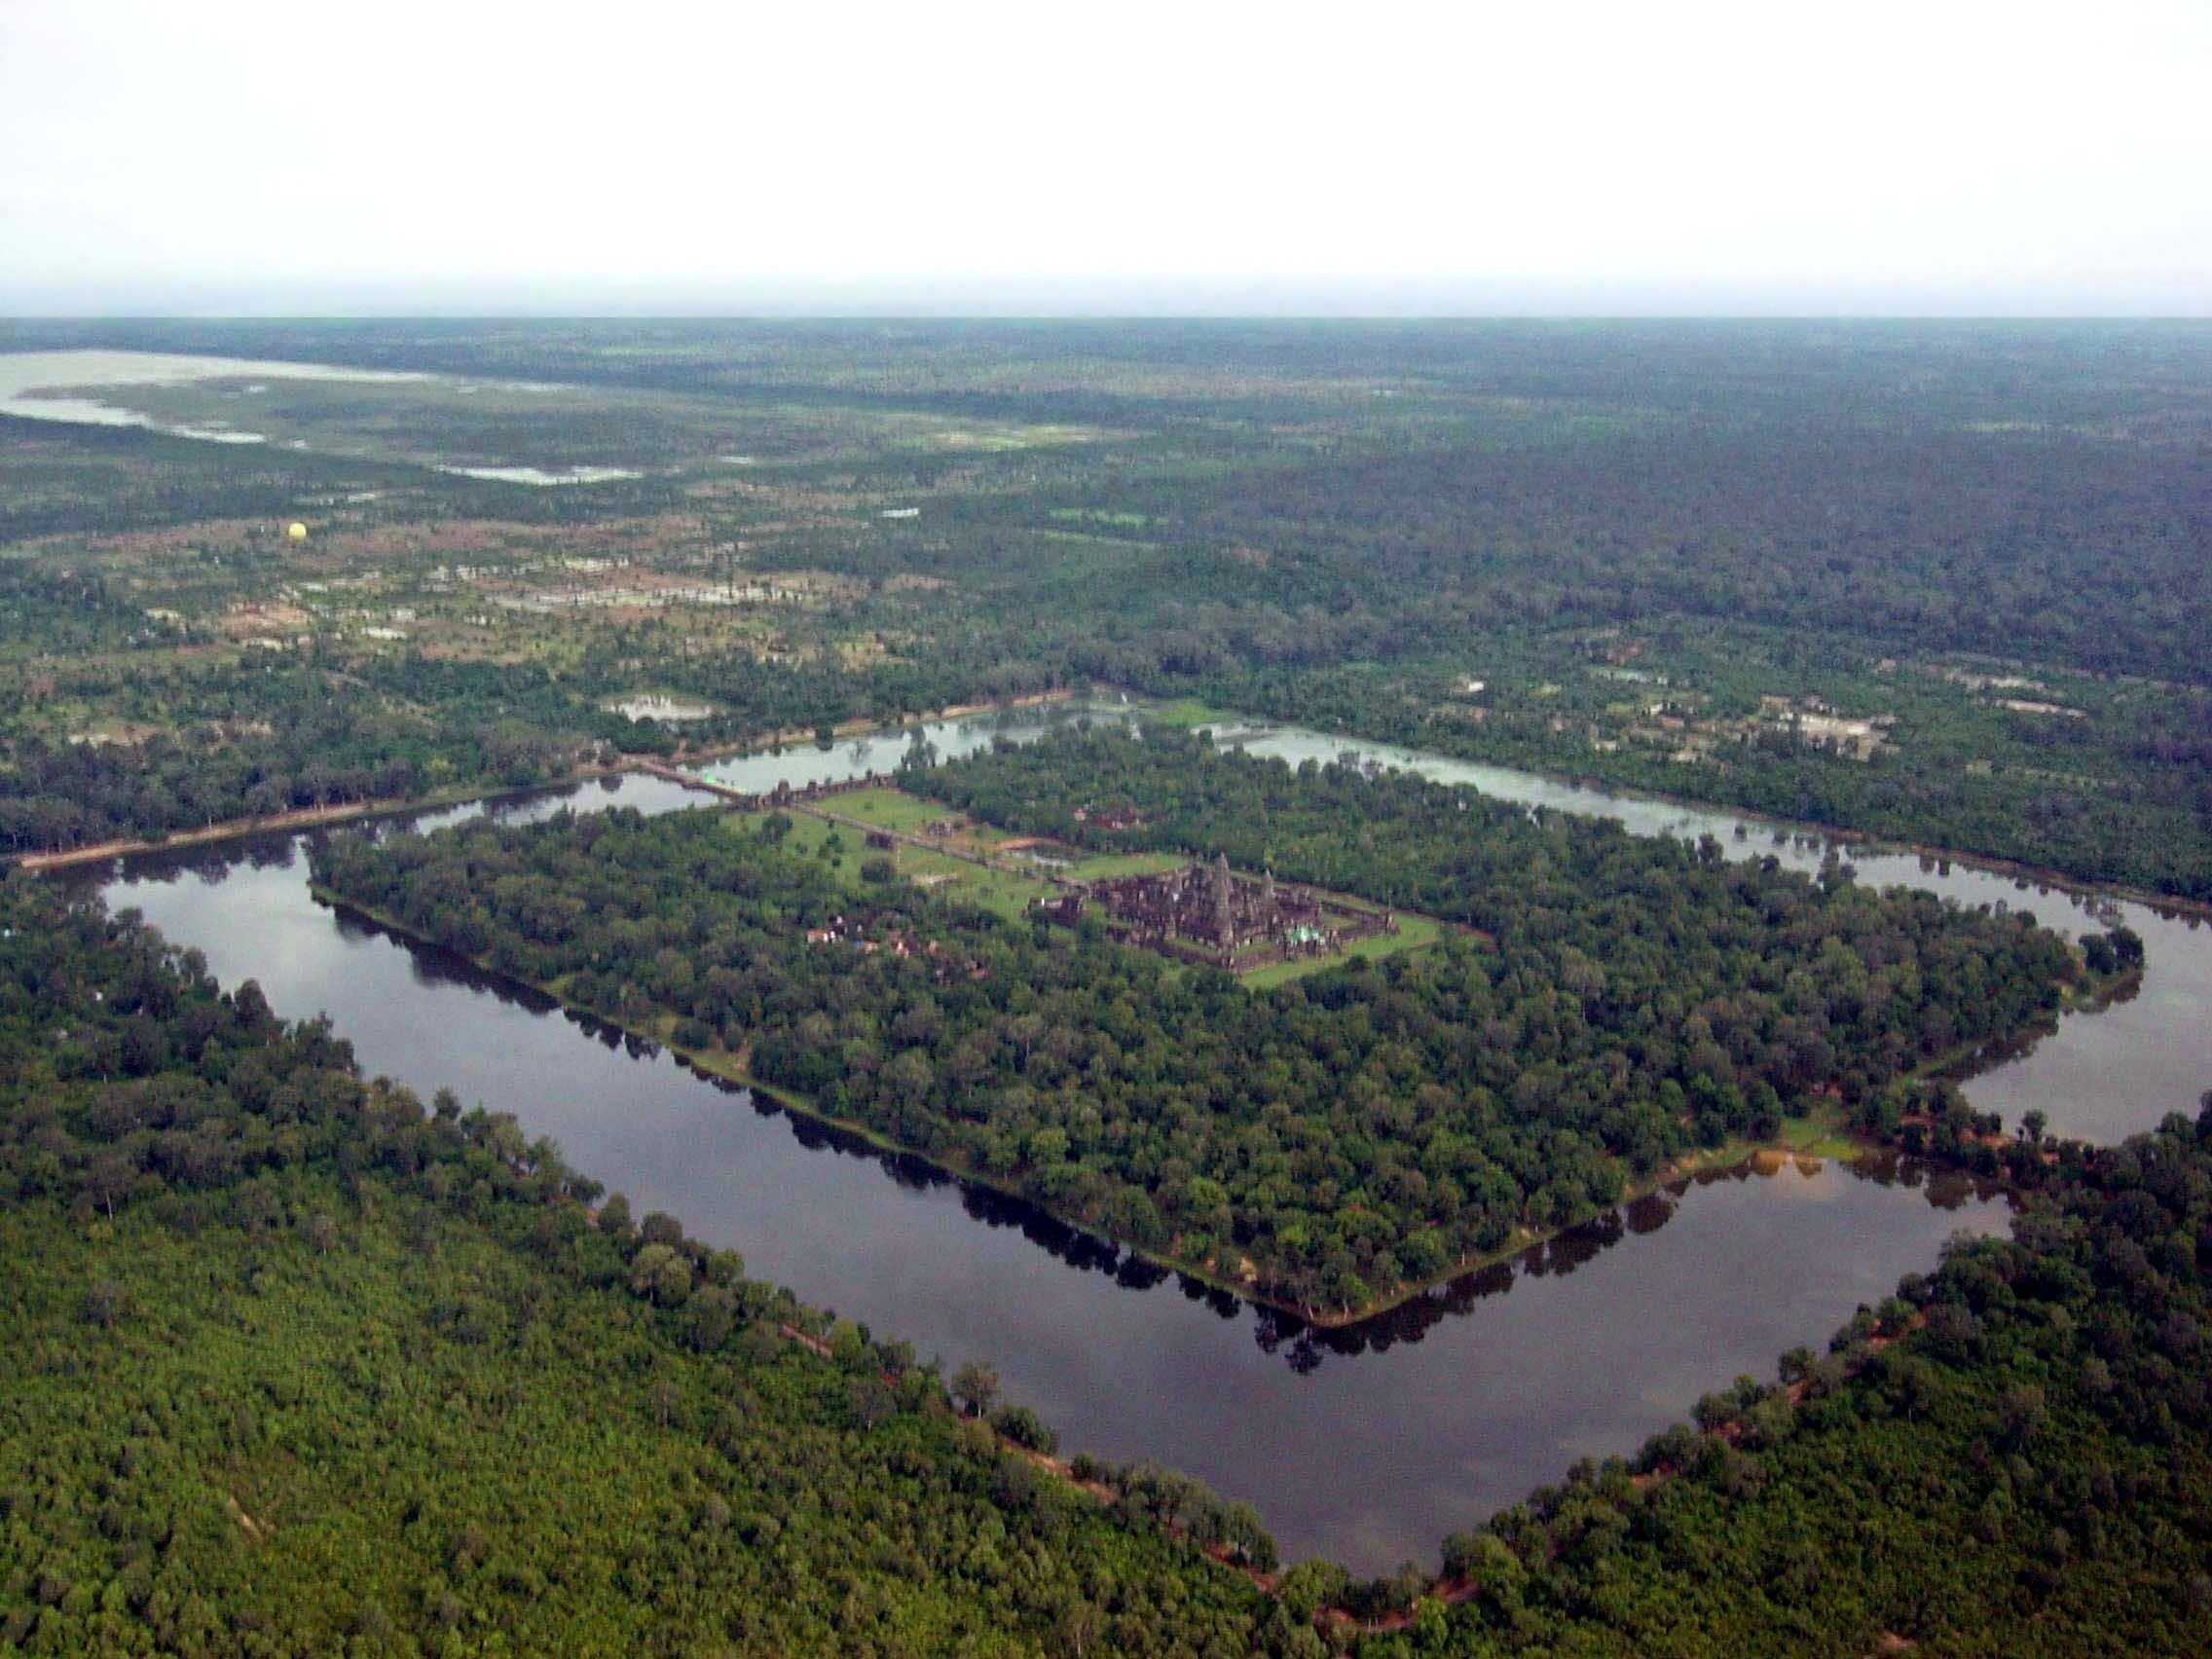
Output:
x=1821 y=1134
x=1101 y=867
x=1414 y=932
x=808 y=834
x=891 y=809
x=1008 y=895
x=1000 y=892
x=1188 y=713
x=1082 y=515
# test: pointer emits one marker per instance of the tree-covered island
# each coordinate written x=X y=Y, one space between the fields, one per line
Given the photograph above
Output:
x=1324 y=1145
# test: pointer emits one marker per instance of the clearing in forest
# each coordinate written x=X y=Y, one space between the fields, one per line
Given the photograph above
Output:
x=1275 y=935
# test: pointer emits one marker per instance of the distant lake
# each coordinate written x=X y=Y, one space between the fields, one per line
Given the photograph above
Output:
x=27 y=378
x=23 y=373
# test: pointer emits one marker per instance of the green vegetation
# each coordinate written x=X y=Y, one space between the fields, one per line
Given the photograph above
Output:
x=297 y=1365
x=1990 y=535
x=300 y=1365
x=1408 y=931
x=1099 y=866
x=320 y=743
x=2100 y=776
x=985 y=865
x=1185 y=712
x=892 y=809
x=842 y=850
x=1322 y=1143
x=1557 y=889
x=2013 y=1455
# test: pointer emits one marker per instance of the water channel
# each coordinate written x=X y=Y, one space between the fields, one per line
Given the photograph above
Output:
x=2099 y=1076
x=1367 y=1445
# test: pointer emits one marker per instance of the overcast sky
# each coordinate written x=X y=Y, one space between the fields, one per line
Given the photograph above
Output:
x=1562 y=156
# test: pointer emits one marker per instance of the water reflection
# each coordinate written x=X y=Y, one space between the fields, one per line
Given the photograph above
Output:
x=881 y=753
x=1302 y=1345
x=1406 y=1428
x=2098 y=1076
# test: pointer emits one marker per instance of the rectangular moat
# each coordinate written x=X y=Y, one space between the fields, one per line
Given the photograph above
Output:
x=1404 y=1430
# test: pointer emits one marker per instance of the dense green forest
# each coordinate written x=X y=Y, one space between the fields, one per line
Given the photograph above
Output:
x=273 y=733
x=2108 y=780
x=1322 y=1143
x=297 y=1364
x=265 y=739
x=1574 y=901
x=1943 y=487
x=300 y=1364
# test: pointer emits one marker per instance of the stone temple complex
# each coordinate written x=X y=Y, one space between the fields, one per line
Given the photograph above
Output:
x=1212 y=914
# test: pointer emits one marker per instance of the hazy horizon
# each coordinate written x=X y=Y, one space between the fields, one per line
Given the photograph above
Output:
x=1078 y=301
x=1720 y=159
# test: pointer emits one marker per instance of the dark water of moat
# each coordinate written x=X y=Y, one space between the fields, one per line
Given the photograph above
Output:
x=1366 y=1445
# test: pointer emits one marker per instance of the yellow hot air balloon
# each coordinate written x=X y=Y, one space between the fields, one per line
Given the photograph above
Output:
x=296 y=531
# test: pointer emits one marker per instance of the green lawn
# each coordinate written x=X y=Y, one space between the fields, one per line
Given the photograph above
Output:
x=995 y=890
x=1188 y=713
x=998 y=891
x=1414 y=932
x=1098 y=867
x=891 y=809
x=1819 y=1135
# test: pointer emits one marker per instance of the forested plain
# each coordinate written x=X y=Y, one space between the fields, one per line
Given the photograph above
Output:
x=1338 y=523
x=1322 y=1144
x=302 y=1364
x=2100 y=777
